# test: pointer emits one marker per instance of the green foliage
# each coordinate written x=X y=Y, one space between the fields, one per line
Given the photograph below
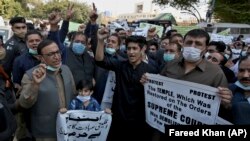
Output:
x=232 y=11
x=10 y=8
x=179 y=4
x=236 y=11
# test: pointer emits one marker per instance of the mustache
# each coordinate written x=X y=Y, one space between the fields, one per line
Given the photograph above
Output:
x=245 y=79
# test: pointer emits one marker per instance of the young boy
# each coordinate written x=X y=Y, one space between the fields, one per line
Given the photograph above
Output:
x=84 y=101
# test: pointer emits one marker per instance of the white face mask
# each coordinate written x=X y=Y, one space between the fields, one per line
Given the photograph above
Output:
x=227 y=56
x=191 y=54
x=48 y=67
x=207 y=54
x=83 y=98
x=237 y=83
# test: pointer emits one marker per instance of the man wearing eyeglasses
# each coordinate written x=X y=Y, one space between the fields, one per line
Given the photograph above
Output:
x=46 y=88
x=15 y=46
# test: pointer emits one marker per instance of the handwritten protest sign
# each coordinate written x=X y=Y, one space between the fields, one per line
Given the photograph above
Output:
x=107 y=98
x=140 y=31
x=173 y=102
x=79 y=125
x=159 y=29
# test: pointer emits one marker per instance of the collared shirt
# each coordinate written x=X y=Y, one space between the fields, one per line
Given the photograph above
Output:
x=204 y=73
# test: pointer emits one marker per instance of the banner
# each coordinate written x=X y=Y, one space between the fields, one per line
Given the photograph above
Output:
x=107 y=98
x=174 y=102
x=159 y=29
x=81 y=125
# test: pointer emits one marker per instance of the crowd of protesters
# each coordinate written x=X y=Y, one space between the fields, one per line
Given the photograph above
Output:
x=44 y=71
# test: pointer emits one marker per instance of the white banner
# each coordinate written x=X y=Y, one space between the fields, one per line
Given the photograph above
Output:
x=159 y=29
x=107 y=98
x=225 y=39
x=173 y=102
x=81 y=125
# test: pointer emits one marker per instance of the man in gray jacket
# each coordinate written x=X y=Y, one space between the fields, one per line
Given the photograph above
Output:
x=45 y=89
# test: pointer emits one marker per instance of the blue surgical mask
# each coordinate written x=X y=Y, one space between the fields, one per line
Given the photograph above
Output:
x=207 y=54
x=237 y=83
x=33 y=51
x=168 y=57
x=83 y=98
x=78 y=48
x=110 y=51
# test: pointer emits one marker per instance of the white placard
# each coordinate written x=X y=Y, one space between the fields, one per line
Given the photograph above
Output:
x=81 y=125
x=175 y=102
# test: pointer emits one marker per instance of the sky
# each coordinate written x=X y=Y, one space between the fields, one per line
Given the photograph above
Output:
x=117 y=7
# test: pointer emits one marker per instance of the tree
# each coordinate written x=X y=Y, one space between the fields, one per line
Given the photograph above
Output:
x=190 y=6
x=179 y=4
x=10 y=8
x=80 y=15
x=232 y=11
x=223 y=10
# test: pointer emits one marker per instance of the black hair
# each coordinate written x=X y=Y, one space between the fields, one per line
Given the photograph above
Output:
x=118 y=37
x=85 y=83
x=30 y=26
x=153 y=43
x=76 y=34
x=31 y=32
x=198 y=33
x=118 y=29
x=165 y=37
x=169 y=33
x=43 y=44
x=70 y=35
x=219 y=45
x=136 y=39
x=243 y=58
x=224 y=61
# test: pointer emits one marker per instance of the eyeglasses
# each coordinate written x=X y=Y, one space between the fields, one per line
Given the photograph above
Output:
x=51 y=54
x=19 y=27
x=213 y=59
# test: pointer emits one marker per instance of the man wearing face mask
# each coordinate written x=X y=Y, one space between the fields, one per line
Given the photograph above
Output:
x=111 y=50
x=46 y=88
x=29 y=59
x=21 y=64
x=78 y=60
x=173 y=51
x=241 y=92
x=15 y=46
x=194 y=67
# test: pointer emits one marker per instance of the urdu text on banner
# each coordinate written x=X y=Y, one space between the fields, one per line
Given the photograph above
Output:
x=79 y=125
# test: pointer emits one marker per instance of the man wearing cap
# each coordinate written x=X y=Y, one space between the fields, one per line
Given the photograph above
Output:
x=16 y=44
